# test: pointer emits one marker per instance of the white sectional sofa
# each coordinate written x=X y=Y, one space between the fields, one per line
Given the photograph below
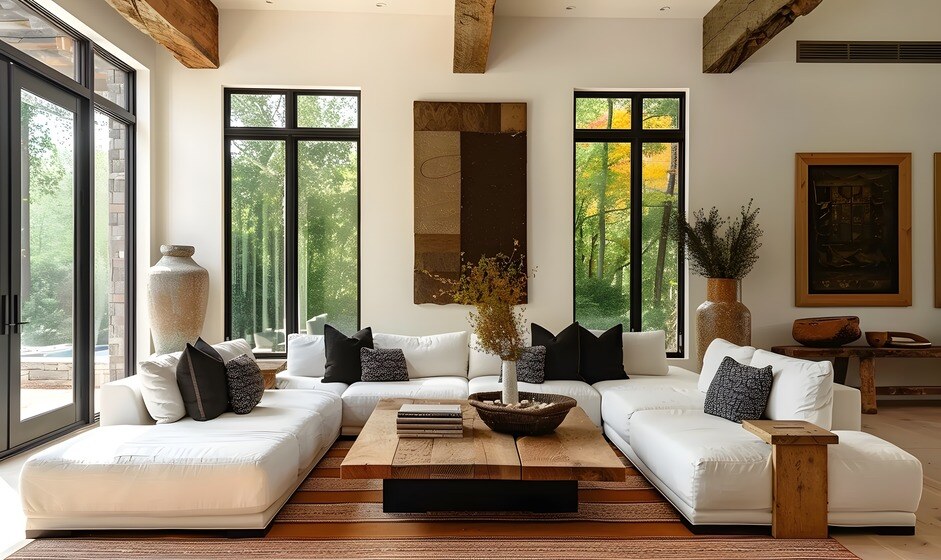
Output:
x=236 y=472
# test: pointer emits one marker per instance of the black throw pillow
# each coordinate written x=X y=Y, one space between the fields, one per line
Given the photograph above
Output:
x=246 y=384
x=207 y=348
x=342 y=354
x=202 y=382
x=383 y=364
x=601 y=358
x=739 y=392
x=561 y=352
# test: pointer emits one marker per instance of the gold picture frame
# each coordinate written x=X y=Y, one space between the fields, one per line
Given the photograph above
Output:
x=853 y=245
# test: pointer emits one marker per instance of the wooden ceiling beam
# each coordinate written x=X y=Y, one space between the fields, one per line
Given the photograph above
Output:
x=734 y=30
x=187 y=28
x=473 y=26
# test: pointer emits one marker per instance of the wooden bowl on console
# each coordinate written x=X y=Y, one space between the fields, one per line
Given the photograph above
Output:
x=824 y=332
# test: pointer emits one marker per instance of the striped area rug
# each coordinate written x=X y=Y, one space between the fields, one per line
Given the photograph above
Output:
x=338 y=519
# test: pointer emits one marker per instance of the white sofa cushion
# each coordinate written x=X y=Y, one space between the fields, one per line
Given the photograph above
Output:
x=645 y=353
x=307 y=355
x=360 y=399
x=233 y=349
x=621 y=398
x=717 y=351
x=587 y=397
x=868 y=474
x=708 y=462
x=163 y=470
x=438 y=355
x=159 y=388
x=802 y=390
x=285 y=380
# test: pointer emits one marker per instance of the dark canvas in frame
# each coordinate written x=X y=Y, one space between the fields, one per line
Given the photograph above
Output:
x=470 y=188
x=854 y=221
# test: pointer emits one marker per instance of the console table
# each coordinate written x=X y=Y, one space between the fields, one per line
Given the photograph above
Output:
x=799 y=476
x=867 y=367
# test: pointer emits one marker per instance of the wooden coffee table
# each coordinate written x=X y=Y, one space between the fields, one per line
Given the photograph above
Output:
x=484 y=470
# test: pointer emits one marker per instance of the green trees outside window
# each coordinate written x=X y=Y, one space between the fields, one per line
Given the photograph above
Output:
x=629 y=169
x=292 y=184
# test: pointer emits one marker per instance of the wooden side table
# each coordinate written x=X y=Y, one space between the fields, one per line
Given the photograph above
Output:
x=270 y=368
x=799 y=476
x=867 y=367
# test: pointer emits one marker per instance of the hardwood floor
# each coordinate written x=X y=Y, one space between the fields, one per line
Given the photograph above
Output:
x=916 y=427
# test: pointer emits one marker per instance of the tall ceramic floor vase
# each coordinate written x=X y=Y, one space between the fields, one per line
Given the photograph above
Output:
x=511 y=393
x=178 y=291
x=722 y=315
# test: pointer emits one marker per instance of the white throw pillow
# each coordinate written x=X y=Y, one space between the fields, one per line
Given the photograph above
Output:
x=429 y=356
x=233 y=349
x=802 y=390
x=645 y=353
x=307 y=355
x=158 y=388
x=717 y=351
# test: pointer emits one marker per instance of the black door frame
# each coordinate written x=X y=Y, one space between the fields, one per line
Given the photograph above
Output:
x=21 y=432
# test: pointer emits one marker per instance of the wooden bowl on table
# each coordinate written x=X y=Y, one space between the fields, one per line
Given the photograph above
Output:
x=824 y=332
x=522 y=421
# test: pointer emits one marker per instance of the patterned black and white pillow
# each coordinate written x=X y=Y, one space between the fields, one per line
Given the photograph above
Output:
x=383 y=364
x=531 y=367
x=739 y=392
x=245 y=382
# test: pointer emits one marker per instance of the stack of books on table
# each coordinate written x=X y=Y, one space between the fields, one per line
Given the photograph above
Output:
x=430 y=421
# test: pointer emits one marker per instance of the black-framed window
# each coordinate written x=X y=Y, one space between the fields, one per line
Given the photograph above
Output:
x=292 y=214
x=71 y=256
x=630 y=157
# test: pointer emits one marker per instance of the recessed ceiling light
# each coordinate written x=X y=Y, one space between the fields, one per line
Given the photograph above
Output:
x=570 y=8
x=381 y=4
x=665 y=8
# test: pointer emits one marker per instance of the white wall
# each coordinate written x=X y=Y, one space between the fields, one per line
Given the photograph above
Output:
x=745 y=129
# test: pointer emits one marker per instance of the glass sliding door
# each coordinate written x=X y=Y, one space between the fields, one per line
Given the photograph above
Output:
x=42 y=331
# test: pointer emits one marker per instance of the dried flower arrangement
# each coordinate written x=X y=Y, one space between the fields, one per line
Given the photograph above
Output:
x=494 y=286
x=713 y=254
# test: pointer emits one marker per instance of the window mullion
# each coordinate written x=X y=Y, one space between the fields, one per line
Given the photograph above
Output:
x=637 y=201
x=290 y=233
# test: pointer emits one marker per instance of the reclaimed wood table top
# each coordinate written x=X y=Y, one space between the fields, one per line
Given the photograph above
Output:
x=577 y=450
x=796 y=351
x=790 y=432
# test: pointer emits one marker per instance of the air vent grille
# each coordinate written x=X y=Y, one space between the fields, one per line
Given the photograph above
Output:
x=869 y=51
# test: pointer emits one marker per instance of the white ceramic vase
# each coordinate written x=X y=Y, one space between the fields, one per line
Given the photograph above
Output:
x=511 y=393
x=178 y=292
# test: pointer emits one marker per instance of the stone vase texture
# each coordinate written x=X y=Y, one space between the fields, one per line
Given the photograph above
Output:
x=722 y=315
x=178 y=293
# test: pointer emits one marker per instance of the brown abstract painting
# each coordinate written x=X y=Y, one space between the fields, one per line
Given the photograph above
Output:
x=854 y=229
x=470 y=188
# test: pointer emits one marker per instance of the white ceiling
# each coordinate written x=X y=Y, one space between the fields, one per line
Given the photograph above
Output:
x=523 y=8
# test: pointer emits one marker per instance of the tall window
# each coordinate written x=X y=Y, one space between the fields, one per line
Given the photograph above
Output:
x=292 y=232
x=66 y=223
x=629 y=179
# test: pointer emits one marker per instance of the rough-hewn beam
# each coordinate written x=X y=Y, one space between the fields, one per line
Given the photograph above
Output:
x=734 y=30
x=187 y=28
x=473 y=25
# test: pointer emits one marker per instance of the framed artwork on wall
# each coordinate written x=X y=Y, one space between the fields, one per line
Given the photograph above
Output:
x=853 y=223
x=937 y=230
x=470 y=189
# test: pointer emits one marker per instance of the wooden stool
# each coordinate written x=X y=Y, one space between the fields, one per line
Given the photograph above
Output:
x=799 y=476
